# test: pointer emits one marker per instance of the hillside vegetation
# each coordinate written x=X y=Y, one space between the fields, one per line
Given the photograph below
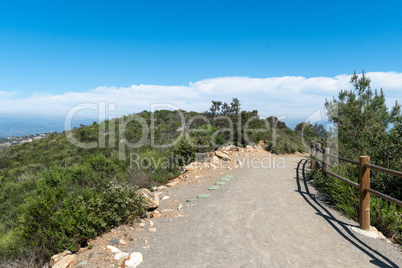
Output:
x=365 y=126
x=60 y=191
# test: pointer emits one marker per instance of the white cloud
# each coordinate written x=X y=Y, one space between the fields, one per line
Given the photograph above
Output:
x=387 y=81
x=7 y=94
x=295 y=97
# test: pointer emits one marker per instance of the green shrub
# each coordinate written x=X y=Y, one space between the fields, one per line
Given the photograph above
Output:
x=184 y=153
x=386 y=217
x=56 y=220
x=11 y=243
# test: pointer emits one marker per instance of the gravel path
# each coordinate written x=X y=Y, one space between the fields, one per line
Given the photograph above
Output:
x=262 y=217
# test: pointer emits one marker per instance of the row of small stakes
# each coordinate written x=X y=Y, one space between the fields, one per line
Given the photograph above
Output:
x=213 y=187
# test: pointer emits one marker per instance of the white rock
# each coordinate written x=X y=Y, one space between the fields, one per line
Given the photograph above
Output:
x=373 y=232
x=113 y=249
x=120 y=255
x=135 y=259
x=165 y=197
x=365 y=233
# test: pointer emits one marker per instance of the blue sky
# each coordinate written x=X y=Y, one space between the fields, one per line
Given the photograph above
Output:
x=53 y=48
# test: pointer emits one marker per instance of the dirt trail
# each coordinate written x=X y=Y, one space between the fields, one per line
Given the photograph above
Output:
x=262 y=217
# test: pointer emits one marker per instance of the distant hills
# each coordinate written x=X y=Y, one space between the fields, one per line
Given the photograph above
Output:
x=11 y=127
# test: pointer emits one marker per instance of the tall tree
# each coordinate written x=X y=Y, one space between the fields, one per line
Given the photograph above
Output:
x=366 y=127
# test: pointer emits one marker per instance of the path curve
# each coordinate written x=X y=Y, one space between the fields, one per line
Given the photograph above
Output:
x=265 y=216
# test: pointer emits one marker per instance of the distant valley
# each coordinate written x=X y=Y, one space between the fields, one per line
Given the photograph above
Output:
x=15 y=127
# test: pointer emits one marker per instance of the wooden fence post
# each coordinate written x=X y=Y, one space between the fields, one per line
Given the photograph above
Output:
x=325 y=166
x=313 y=152
x=325 y=161
x=364 y=182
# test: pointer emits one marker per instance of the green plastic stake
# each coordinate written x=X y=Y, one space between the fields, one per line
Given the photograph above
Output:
x=220 y=182
x=228 y=176
x=191 y=200
x=214 y=187
x=225 y=179
x=203 y=196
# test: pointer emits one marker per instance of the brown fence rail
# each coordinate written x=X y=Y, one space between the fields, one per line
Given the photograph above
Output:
x=364 y=179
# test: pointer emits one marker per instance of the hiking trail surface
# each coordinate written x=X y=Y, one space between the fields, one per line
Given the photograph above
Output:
x=264 y=216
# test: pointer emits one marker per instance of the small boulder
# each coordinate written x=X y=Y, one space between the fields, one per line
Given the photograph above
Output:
x=65 y=261
x=249 y=148
x=135 y=259
x=193 y=166
x=151 y=200
x=215 y=160
x=120 y=255
x=56 y=258
x=222 y=155
x=113 y=249
x=114 y=241
x=82 y=264
x=234 y=148
x=173 y=182
x=155 y=214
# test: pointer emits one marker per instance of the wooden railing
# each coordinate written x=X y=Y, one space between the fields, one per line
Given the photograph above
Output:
x=364 y=179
